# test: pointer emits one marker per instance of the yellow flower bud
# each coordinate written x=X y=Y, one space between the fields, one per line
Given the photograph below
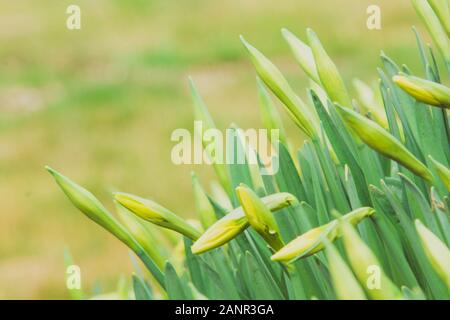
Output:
x=272 y=77
x=308 y=243
x=236 y=222
x=366 y=266
x=345 y=284
x=382 y=141
x=156 y=214
x=259 y=217
x=221 y=232
x=87 y=203
x=425 y=91
x=328 y=72
x=314 y=240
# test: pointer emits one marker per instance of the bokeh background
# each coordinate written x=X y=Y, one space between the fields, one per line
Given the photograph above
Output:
x=99 y=104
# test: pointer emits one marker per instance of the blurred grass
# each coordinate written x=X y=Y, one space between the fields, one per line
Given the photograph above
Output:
x=99 y=104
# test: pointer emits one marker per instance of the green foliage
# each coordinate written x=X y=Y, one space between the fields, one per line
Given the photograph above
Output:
x=373 y=196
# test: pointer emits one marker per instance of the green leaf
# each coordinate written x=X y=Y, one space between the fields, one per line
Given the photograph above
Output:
x=427 y=277
x=175 y=287
x=142 y=291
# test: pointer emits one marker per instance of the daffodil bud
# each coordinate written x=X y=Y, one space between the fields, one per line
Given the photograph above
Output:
x=345 y=285
x=87 y=203
x=437 y=252
x=303 y=54
x=314 y=240
x=425 y=91
x=356 y=216
x=221 y=232
x=272 y=77
x=366 y=266
x=308 y=243
x=442 y=171
x=329 y=75
x=203 y=206
x=382 y=141
x=434 y=27
x=259 y=216
x=156 y=214
x=236 y=222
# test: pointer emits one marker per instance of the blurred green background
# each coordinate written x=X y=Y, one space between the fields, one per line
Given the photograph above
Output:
x=99 y=104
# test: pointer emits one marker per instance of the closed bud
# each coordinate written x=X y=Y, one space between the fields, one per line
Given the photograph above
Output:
x=308 y=243
x=221 y=232
x=314 y=240
x=259 y=216
x=84 y=200
x=344 y=282
x=156 y=214
x=236 y=222
x=366 y=266
x=275 y=81
x=437 y=252
x=425 y=91
x=329 y=75
x=382 y=141
x=87 y=203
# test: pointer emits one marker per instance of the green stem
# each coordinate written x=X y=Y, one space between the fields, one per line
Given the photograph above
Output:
x=151 y=266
